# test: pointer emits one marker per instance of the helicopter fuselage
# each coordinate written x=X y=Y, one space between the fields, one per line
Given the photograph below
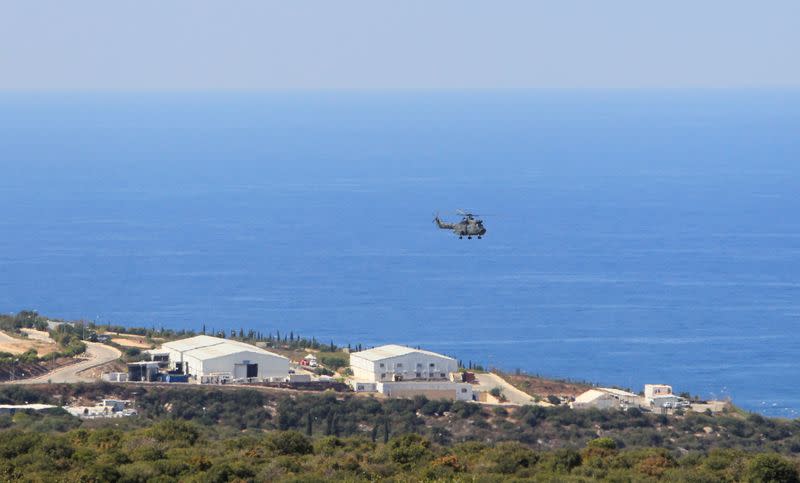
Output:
x=467 y=227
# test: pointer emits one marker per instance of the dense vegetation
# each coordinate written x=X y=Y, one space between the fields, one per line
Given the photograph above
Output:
x=211 y=434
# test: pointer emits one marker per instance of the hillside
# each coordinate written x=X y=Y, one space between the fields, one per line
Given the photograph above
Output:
x=195 y=433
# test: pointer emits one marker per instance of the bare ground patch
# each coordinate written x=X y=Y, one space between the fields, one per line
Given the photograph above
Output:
x=138 y=342
x=19 y=345
x=539 y=386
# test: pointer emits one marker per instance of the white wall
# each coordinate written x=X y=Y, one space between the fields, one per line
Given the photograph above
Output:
x=268 y=365
x=655 y=390
x=460 y=391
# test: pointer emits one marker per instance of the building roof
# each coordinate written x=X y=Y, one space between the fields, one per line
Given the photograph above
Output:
x=591 y=395
x=617 y=392
x=393 y=350
x=207 y=347
x=191 y=343
x=595 y=394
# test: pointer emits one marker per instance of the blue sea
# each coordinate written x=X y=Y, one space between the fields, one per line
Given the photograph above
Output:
x=633 y=236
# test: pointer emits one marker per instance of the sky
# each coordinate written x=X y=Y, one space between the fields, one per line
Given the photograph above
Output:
x=372 y=44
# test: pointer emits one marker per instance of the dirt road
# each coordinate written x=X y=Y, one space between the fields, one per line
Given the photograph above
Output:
x=97 y=354
x=488 y=381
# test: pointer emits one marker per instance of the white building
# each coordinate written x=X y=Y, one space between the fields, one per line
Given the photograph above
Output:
x=652 y=391
x=13 y=408
x=459 y=391
x=212 y=358
x=660 y=396
x=399 y=371
x=399 y=363
x=606 y=398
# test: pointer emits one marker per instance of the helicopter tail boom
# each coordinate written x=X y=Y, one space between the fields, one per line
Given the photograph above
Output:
x=442 y=225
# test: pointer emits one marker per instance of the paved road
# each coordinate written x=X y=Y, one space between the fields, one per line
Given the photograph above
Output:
x=488 y=381
x=98 y=354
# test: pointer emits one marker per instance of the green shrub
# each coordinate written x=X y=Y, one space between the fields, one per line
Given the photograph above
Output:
x=289 y=443
x=771 y=468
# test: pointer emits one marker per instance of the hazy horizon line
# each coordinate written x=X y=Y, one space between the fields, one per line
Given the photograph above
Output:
x=770 y=88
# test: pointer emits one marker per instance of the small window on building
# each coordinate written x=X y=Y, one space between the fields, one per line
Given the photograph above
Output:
x=431 y=364
x=383 y=376
x=382 y=365
x=442 y=375
x=463 y=389
x=419 y=374
x=399 y=364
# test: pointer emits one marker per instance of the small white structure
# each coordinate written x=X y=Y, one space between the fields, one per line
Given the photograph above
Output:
x=652 y=391
x=606 y=398
x=114 y=376
x=209 y=358
x=310 y=360
x=394 y=363
x=661 y=396
x=365 y=386
x=399 y=371
x=115 y=405
x=459 y=391
x=108 y=408
x=13 y=408
x=305 y=377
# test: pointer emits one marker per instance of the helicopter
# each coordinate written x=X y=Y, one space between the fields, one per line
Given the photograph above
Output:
x=469 y=225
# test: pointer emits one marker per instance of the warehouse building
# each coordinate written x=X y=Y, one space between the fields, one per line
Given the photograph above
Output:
x=399 y=371
x=399 y=363
x=213 y=359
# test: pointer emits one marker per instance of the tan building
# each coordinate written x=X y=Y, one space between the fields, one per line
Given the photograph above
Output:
x=606 y=398
x=661 y=396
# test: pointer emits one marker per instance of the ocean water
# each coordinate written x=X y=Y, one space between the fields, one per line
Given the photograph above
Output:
x=634 y=236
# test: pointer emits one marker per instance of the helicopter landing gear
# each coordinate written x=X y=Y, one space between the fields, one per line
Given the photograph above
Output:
x=469 y=238
x=460 y=237
x=479 y=237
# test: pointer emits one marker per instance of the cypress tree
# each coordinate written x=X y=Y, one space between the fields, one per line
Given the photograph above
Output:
x=329 y=425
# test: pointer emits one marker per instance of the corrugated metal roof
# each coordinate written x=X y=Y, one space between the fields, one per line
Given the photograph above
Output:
x=207 y=347
x=618 y=392
x=393 y=350
x=593 y=394
x=195 y=342
x=219 y=350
